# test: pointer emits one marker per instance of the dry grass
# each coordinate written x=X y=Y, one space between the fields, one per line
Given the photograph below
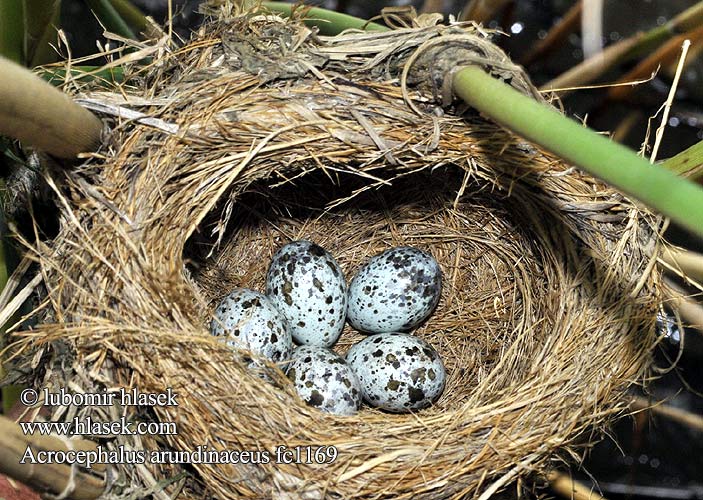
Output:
x=547 y=315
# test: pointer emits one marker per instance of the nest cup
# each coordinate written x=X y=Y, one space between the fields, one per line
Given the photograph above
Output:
x=258 y=132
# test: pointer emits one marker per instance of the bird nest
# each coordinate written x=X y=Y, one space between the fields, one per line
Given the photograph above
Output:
x=258 y=132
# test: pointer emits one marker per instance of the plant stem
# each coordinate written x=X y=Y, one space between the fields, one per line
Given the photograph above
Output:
x=638 y=45
x=592 y=68
x=656 y=187
x=481 y=10
x=332 y=22
x=110 y=19
x=12 y=30
x=9 y=393
x=687 y=20
x=689 y=263
x=40 y=21
x=57 y=75
x=134 y=17
x=556 y=36
x=687 y=162
x=53 y=475
x=666 y=54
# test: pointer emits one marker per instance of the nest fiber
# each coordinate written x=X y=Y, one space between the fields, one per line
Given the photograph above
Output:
x=258 y=132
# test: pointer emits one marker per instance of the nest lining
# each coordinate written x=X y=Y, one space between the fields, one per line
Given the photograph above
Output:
x=547 y=313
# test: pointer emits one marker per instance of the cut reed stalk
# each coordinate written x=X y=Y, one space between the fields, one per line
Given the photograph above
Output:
x=41 y=116
x=689 y=263
x=531 y=249
x=678 y=299
x=53 y=477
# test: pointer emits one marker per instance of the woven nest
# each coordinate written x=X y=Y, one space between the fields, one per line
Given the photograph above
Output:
x=259 y=132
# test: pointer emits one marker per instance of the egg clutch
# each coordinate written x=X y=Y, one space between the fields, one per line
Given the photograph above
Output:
x=307 y=303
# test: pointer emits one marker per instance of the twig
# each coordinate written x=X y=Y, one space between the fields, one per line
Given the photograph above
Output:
x=481 y=10
x=556 y=35
x=669 y=101
x=683 y=417
x=589 y=70
x=565 y=486
x=650 y=64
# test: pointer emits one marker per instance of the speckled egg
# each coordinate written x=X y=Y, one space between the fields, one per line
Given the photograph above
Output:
x=395 y=291
x=307 y=285
x=397 y=372
x=251 y=321
x=324 y=380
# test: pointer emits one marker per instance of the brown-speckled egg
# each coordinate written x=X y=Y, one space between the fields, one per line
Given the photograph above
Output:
x=324 y=380
x=307 y=285
x=249 y=320
x=395 y=291
x=397 y=372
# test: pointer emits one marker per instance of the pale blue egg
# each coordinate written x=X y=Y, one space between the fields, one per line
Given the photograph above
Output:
x=397 y=372
x=324 y=380
x=249 y=320
x=307 y=285
x=395 y=291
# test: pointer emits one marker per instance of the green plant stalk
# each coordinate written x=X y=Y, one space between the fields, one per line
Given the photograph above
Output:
x=686 y=161
x=10 y=393
x=56 y=76
x=132 y=16
x=12 y=30
x=41 y=24
x=687 y=20
x=655 y=186
x=110 y=19
x=332 y=22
